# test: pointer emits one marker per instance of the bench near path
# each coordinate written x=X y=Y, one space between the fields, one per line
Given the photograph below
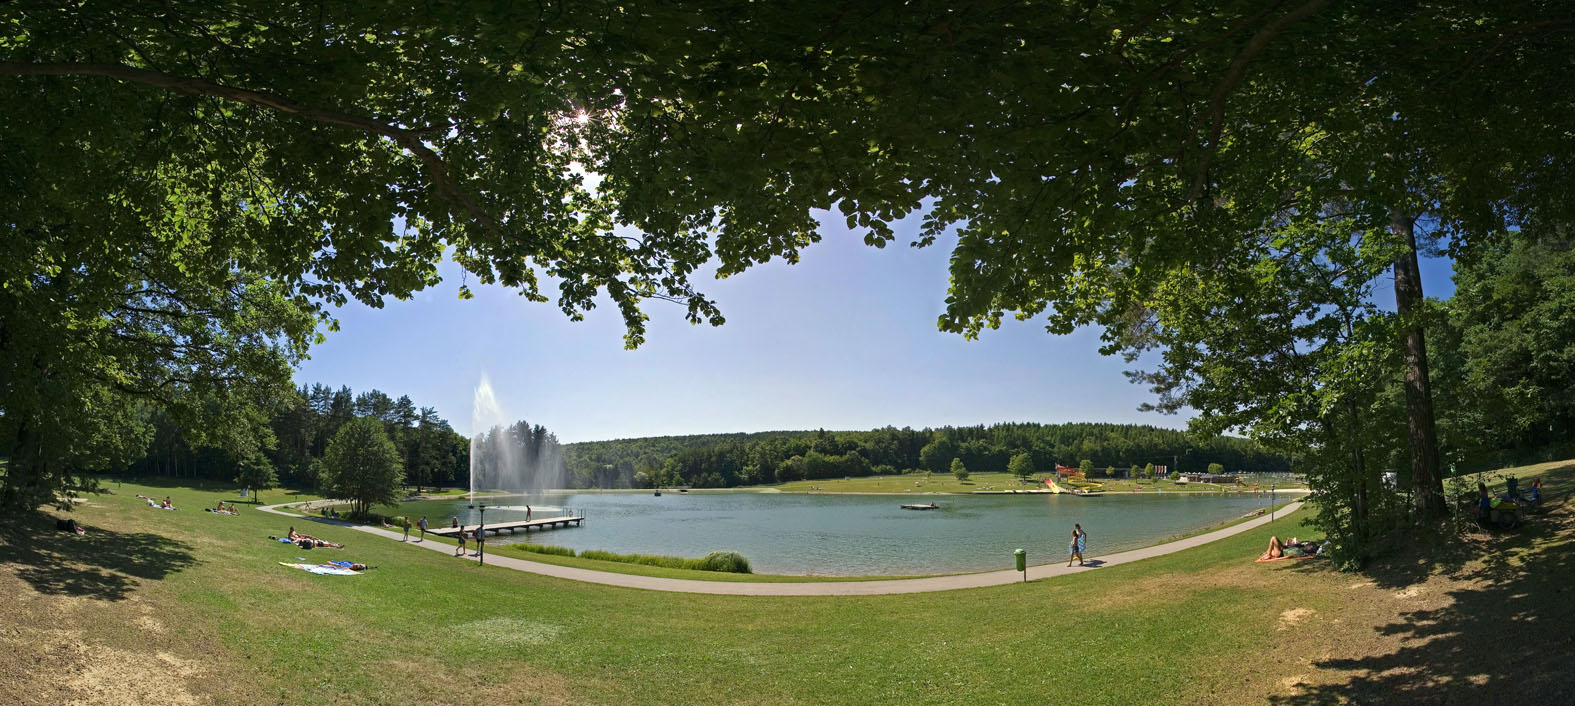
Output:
x=837 y=588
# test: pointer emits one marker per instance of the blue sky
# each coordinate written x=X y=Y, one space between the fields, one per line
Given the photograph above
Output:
x=846 y=339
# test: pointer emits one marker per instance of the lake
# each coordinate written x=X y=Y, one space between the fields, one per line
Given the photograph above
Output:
x=854 y=535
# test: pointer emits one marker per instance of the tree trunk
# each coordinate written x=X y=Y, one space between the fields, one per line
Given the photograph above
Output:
x=1427 y=485
x=1359 y=466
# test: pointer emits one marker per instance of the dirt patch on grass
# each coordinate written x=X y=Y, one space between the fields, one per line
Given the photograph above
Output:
x=82 y=624
x=106 y=676
x=495 y=682
x=1483 y=621
x=70 y=650
x=1293 y=617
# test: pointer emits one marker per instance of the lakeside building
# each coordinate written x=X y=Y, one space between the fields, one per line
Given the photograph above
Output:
x=1209 y=478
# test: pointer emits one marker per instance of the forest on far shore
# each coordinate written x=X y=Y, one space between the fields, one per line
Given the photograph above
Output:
x=730 y=460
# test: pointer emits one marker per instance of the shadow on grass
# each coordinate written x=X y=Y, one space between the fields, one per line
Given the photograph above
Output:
x=1505 y=637
x=103 y=565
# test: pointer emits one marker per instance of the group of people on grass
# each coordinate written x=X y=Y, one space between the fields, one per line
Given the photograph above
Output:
x=224 y=508
x=306 y=541
x=1507 y=505
x=166 y=505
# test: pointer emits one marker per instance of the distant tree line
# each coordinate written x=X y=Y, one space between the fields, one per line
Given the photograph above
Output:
x=728 y=460
x=297 y=436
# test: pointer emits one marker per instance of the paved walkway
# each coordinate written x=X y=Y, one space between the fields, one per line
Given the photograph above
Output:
x=821 y=588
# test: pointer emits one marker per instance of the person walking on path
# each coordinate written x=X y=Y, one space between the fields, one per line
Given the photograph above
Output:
x=1071 y=549
x=1082 y=542
x=423 y=525
x=460 y=550
x=481 y=538
x=406 y=523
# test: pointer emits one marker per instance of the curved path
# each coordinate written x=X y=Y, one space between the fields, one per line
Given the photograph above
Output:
x=821 y=588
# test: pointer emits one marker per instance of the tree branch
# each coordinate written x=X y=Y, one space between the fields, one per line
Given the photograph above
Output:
x=1234 y=75
x=431 y=162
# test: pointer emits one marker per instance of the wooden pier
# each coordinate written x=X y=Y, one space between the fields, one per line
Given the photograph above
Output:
x=511 y=527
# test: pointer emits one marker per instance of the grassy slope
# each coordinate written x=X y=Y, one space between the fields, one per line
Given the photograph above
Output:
x=1197 y=626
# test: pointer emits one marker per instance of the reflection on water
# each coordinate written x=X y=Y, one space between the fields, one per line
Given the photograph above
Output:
x=854 y=534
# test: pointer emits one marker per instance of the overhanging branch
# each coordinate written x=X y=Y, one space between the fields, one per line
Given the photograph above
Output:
x=432 y=163
x=1234 y=75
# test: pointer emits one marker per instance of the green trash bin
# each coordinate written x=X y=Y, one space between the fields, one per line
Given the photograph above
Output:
x=1022 y=562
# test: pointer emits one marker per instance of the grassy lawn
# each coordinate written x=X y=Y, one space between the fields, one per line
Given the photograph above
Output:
x=617 y=567
x=917 y=484
x=188 y=607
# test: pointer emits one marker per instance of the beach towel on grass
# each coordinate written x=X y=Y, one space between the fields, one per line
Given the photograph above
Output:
x=325 y=569
x=1262 y=560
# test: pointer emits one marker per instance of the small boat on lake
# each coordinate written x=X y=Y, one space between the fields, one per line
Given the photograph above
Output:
x=931 y=506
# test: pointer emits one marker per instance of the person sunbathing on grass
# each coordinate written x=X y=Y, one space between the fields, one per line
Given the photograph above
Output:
x=307 y=541
x=1275 y=550
x=221 y=509
x=1292 y=548
x=297 y=536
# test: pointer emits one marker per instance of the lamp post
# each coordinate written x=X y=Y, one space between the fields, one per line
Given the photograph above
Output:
x=1271 y=502
x=481 y=546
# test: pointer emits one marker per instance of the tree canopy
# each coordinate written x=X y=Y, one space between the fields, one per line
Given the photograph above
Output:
x=1021 y=465
x=363 y=466
x=1081 y=141
x=257 y=473
x=264 y=160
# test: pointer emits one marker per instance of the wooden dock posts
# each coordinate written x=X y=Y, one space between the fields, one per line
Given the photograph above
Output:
x=511 y=527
